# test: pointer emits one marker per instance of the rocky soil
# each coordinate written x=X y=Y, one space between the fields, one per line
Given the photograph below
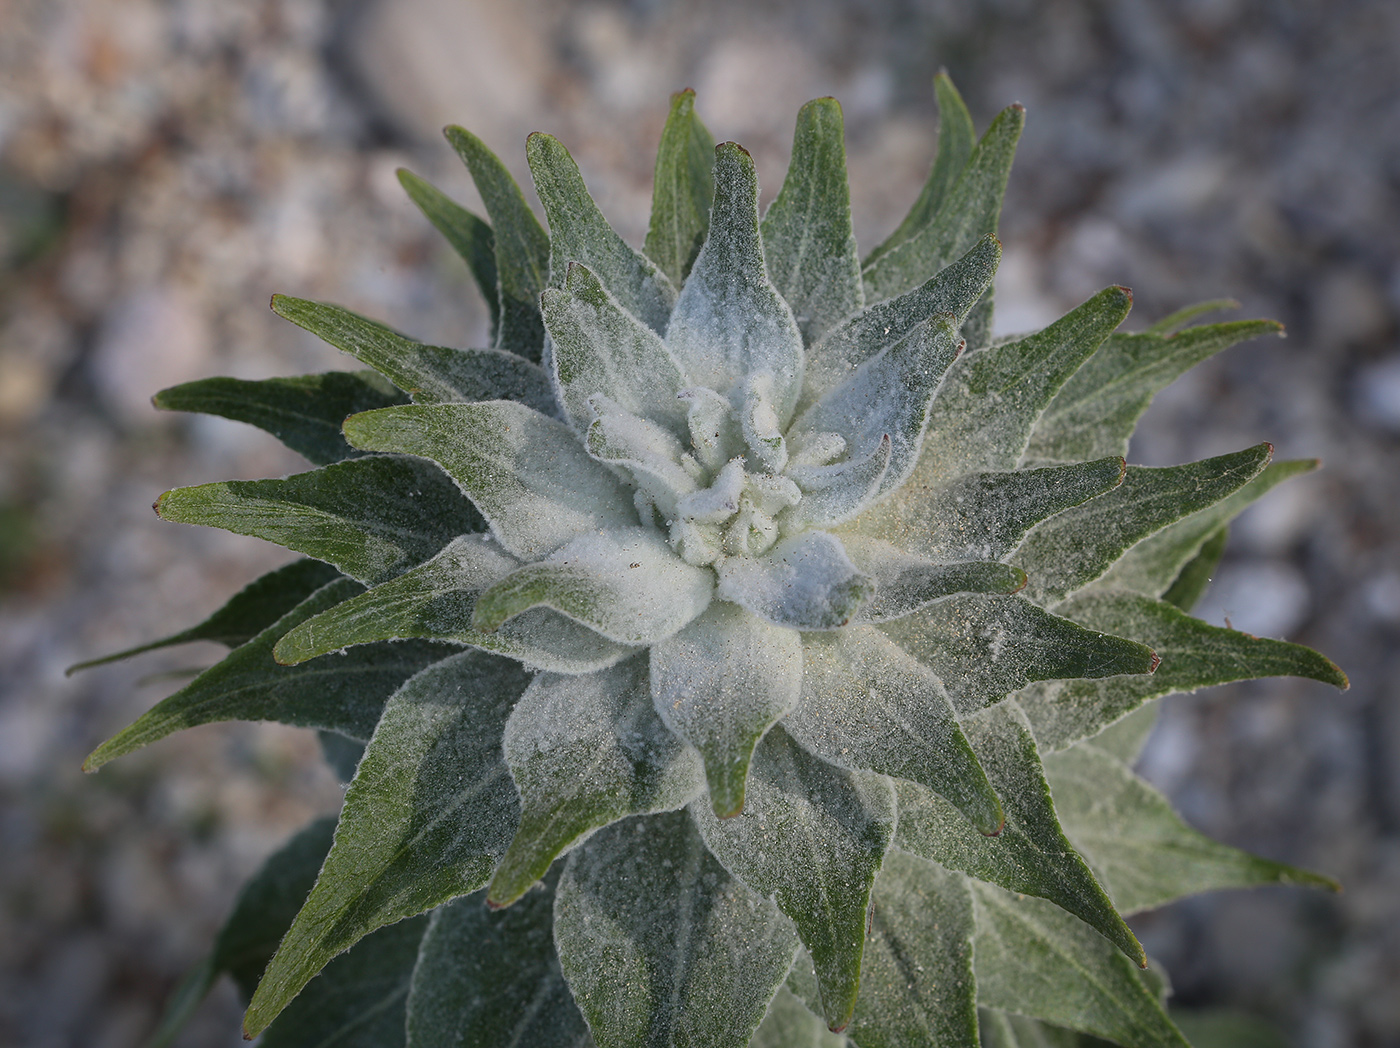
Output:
x=166 y=166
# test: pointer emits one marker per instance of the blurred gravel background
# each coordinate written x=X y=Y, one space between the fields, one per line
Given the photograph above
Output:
x=166 y=166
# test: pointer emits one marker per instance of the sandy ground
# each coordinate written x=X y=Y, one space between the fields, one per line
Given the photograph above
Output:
x=165 y=167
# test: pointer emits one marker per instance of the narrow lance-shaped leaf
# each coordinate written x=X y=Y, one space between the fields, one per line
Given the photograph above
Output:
x=433 y=374
x=1151 y=566
x=586 y=751
x=624 y=583
x=888 y=396
x=601 y=348
x=344 y=695
x=660 y=944
x=1035 y=959
x=791 y=1024
x=991 y=398
x=904 y=584
x=1142 y=851
x=1077 y=546
x=578 y=232
x=969 y=210
x=812 y=837
x=430 y=812
x=527 y=474
x=246 y=614
x=1032 y=855
x=984 y=516
x=956 y=138
x=683 y=190
x=1194 y=655
x=1169 y=323
x=835 y=493
x=867 y=705
x=373 y=517
x=1193 y=579
x=522 y=246
x=916 y=981
x=952 y=291
x=985 y=647
x=486 y=979
x=720 y=684
x=730 y=322
x=436 y=600
x=808 y=241
x=805 y=582
x=303 y=412
x=264 y=910
x=1097 y=409
x=469 y=236
x=359 y=1000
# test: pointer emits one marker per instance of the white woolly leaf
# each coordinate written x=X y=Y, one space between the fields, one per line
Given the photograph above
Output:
x=586 y=751
x=834 y=494
x=904 y=584
x=806 y=582
x=730 y=321
x=624 y=583
x=527 y=474
x=811 y=836
x=661 y=946
x=720 y=684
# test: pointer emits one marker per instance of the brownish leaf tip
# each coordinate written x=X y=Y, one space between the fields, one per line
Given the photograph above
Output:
x=1156 y=661
x=997 y=832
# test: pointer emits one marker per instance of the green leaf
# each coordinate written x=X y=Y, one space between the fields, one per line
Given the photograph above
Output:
x=1096 y=411
x=720 y=684
x=789 y=1024
x=1033 y=958
x=916 y=982
x=522 y=246
x=683 y=190
x=969 y=211
x=586 y=751
x=833 y=494
x=1126 y=737
x=1154 y=564
x=1194 y=655
x=527 y=474
x=432 y=374
x=343 y=694
x=1221 y=1028
x=1144 y=854
x=991 y=399
x=805 y=582
x=486 y=979
x=954 y=290
x=888 y=396
x=661 y=946
x=1193 y=579
x=578 y=232
x=601 y=348
x=1169 y=323
x=1001 y=1029
x=984 y=516
x=265 y=907
x=730 y=322
x=469 y=236
x=624 y=583
x=956 y=139
x=1032 y=856
x=247 y=613
x=436 y=600
x=359 y=1001
x=373 y=518
x=1077 y=546
x=904 y=584
x=866 y=704
x=304 y=412
x=808 y=242
x=430 y=812
x=985 y=647
x=811 y=837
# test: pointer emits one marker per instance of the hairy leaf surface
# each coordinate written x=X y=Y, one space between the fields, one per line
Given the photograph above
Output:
x=683 y=190
x=468 y=234
x=661 y=946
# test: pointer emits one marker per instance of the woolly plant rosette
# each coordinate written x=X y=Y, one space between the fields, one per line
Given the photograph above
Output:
x=810 y=629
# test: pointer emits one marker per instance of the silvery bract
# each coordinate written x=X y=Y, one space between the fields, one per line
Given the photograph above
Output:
x=718 y=636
